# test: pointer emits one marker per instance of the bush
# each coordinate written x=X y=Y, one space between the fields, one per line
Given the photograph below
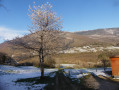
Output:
x=5 y=59
x=50 y=62
x=36 y=64
x=25 y=64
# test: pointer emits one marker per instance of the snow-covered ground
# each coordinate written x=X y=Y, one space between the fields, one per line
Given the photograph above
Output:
x=88 y=49
x=99 y=71
x=79 y=73
x=75 y=74
x=67 y=65
x=9 y=74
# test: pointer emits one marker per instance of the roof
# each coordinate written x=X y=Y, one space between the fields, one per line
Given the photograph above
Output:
x=117 y=56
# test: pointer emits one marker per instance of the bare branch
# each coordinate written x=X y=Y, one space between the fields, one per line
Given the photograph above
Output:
x=46 y=36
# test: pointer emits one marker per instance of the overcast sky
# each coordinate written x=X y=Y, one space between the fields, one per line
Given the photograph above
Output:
x=77 y=15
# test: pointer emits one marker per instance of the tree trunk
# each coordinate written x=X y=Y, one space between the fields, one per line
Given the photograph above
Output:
x=96 y=67
x=104 y=66
x=42 y=69
x=41 y=64
x=42 y=58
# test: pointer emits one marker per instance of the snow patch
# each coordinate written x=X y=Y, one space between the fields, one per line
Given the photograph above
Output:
x=88 y=49
x=67 y=65
x=8 y=74
x=110 y=31
x=99 y=71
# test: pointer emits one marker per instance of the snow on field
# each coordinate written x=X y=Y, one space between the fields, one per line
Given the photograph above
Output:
x=79 y=73
x=67 y=65
x=99 y=71
x=75 y=73
x=9 y=74
x=88 y=49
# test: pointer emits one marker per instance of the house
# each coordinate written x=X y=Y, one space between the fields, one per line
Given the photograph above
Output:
x=115 y=66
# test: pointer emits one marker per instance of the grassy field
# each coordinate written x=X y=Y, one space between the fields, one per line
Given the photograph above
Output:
x=83 y=60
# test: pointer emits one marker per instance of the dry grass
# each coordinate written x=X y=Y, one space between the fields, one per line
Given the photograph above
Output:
x=86 y=59
x=76 y=58
x=81 y=59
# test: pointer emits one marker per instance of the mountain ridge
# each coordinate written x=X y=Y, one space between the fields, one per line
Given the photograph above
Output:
x=104 y=31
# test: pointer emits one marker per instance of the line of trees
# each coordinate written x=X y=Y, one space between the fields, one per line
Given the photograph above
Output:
x=5 y=59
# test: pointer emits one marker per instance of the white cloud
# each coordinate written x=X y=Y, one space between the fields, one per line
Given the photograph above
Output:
x=9 y=34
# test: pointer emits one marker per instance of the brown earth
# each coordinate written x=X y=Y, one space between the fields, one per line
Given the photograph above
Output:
x=62 y=82
x=88 y=83
x=101 y=84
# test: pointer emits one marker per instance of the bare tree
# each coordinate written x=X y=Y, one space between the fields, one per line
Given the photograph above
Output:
x=104 y=58
x=46 y=37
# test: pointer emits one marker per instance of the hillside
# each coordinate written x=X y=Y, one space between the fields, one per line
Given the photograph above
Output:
x=82 y=44
x=108 y=35
x=107 y=31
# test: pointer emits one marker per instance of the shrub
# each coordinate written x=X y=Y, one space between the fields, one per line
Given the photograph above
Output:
x=50 y=62
x=25 y=64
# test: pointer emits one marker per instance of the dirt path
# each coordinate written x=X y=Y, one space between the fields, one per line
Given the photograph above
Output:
x=101 y=84
x=63 y=83
x=90 y=82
